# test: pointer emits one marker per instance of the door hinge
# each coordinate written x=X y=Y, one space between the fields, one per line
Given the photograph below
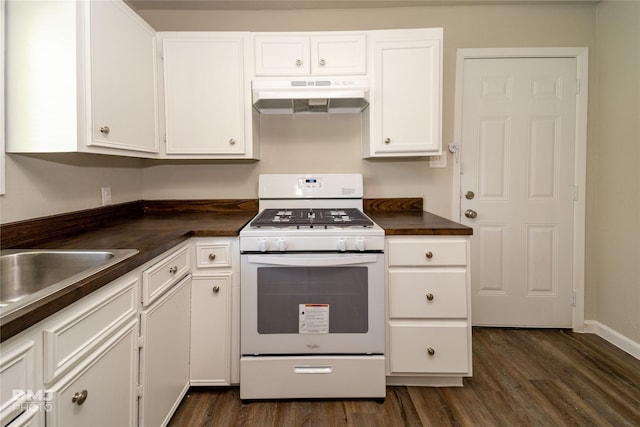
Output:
x=575 y=193
x=577 y=86
x=573 y=298
x=140 y=341
x=139 y=390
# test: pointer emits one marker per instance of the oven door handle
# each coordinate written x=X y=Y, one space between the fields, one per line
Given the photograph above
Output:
x=312 y=262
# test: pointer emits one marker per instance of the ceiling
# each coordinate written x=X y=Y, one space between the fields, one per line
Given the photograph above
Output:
x=321 y=4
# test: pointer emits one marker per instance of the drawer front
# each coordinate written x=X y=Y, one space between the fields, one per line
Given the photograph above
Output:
x=427 y=252
x=427 y=294
x=157 y=279
x=213 y=255
x=69 y=340
x=423 y=348
x=17 y=367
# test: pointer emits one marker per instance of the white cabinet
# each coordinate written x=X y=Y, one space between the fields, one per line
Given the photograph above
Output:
x=428 y=307
x=85 y=81
x=207 y=96
x=299 y=54
x=406 y=99
x=214 y=313
x=99 y=390
x=20 y=399
x=165 y=326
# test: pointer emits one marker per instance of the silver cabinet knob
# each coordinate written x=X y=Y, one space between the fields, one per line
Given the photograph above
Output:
x=80 y=397
x=322 y=62
x=470 y=213
x=431 y=351
x=429 y=296
x=215 y=289
x=298 y=62
x=212 y=257
x=232 y=141
x=105 y=130
x=387 y=140
x=173 y=270
x=470 y=195
x=429 y=255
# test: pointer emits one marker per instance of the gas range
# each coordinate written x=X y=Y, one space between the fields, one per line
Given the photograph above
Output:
x=309 y=213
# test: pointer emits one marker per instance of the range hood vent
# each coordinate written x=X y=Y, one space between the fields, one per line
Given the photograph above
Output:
x=310 y=96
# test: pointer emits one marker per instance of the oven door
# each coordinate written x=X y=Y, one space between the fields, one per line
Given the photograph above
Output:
x=312 y=303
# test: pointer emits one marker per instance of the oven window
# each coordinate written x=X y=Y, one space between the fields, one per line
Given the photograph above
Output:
x=294 y=300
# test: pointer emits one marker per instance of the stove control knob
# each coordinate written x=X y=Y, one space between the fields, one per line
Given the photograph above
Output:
x=281 y=244
x=360 y=245
x=263 y=245
x=342 y=245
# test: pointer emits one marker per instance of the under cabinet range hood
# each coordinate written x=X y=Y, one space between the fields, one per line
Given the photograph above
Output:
x=310 y=96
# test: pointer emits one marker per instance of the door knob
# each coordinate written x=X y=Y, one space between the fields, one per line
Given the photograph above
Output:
x=470 y=213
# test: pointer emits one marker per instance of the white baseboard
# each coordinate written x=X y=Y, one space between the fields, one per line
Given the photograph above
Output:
x=614 y=337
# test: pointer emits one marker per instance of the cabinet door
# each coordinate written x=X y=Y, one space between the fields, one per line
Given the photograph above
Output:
x=164 y=362
x=210 y=330
x=338 y=55
x=123 y=83
x=101 y=391
x=407 y=106
x=282 y=55
x=204 y=95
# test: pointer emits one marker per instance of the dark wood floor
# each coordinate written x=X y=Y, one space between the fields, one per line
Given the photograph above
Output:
x=520 y=378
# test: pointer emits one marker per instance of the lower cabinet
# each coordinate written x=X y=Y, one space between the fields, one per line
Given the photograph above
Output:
x=164 y=356
x=428 y=310
x=99 y=391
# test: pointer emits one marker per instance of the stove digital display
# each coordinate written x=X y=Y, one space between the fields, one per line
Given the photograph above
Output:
x=309 y=183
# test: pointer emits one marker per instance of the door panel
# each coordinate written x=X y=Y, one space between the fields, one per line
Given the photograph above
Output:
x=518 y=143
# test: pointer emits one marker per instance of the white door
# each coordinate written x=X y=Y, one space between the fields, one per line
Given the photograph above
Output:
x=517 y=177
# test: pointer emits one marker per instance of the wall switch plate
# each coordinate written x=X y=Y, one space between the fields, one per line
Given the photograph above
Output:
x=106 y=196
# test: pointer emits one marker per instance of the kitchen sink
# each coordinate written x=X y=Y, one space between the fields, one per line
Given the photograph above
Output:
x=27 y=275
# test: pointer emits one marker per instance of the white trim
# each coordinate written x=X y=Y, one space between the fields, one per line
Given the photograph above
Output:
x=614 y=337
x=580 y=176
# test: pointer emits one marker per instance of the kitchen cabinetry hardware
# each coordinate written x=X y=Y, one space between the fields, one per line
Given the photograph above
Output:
x=174 y=269
x=216 y=289
x=429 y=255
x=387 y=140
x=212 y=257
x=429 y=296
x=322 y=62
x=431 y=351
x=79 y=397
x=298 y=63
x=232 y=141
x=105 y=130
x=470 y=213
x=470 y=195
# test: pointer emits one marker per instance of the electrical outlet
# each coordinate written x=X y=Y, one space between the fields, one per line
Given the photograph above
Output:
x=106 y=196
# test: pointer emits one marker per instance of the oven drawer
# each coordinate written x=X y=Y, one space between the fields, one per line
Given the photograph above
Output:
x=426 y=293
x=419 y=347
x=427 y=252
x=312 y=377
x=210 y=255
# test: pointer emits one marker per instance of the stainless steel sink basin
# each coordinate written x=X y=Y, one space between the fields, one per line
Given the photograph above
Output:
x=27 y=275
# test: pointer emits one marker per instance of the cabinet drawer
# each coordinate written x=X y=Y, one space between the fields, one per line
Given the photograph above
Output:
x=427 y=252
x=411 y=345
x=17 y=367
x=213 y=255
x=427 y=294
x=82 y=328
x=157 y=279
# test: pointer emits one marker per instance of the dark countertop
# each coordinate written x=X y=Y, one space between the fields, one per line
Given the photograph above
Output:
x=155 y=227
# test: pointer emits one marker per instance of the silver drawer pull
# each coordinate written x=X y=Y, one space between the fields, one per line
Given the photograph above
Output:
x=429 y=255
x=79 y=398
x=173 y=270
x=215 y=289
x=431 y=351
x=105 y=130
x=429 y=296
x=212 y=257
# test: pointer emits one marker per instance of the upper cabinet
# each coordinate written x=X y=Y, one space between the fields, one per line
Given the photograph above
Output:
x=207 y=95
x=336 y=54
x=406 y=96
x=84 y=81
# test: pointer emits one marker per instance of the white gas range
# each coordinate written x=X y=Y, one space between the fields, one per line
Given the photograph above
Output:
x=312 y=291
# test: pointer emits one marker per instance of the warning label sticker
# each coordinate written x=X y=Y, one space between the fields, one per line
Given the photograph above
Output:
x=314 y=319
